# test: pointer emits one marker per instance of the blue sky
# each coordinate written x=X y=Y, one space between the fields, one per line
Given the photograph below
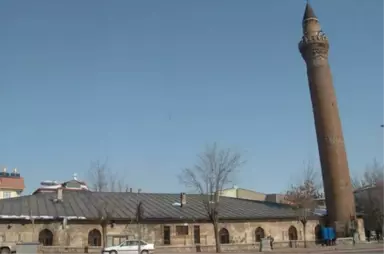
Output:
x=149 y=83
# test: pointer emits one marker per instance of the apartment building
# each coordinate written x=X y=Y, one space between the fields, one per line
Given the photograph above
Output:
x=11 y=184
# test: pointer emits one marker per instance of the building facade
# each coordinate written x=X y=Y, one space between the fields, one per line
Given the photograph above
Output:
x=84 y=218
x=89 y=233
x=236 y=192
x=52 y=186
x=11 y=184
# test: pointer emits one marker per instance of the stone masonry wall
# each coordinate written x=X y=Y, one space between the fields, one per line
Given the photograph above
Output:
x=76 y=233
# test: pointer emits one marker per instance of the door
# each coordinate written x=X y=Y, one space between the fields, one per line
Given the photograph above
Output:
x=196 y=237
x=167 y=235
x=196 y=234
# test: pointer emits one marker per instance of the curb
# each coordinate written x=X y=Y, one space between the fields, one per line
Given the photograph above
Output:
x=355 y=250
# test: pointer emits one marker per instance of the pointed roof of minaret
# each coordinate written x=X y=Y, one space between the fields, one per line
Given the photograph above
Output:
x=309 y=13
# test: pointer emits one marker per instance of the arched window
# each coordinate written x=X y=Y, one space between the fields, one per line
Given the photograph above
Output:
x=224 y=236
x=259 y=234
x=318 y=234
x=46 y=237
x=94 y=238
x=292 y=233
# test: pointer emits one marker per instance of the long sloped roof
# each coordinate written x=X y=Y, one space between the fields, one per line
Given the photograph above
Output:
x=91 y=205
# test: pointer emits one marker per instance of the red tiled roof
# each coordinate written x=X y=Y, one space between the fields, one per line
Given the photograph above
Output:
x=12 y=183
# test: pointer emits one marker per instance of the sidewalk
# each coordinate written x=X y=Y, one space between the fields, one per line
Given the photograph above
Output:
x=366 y=248
x=359 y=248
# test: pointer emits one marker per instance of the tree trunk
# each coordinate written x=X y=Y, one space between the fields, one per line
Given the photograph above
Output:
x=305 y=234
x=139 y=237
x=104 y=233
x=33 y=228
x=217 y=236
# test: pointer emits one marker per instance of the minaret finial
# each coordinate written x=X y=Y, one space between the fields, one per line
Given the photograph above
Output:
x=309 y=13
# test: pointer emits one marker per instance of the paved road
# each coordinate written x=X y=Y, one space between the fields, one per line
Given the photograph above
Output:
x=355 y=252
x=374 y=250
x=341 y=251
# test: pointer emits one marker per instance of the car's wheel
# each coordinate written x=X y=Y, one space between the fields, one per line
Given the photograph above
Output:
x=113 y=252
x=5 y=250
x=144 y=252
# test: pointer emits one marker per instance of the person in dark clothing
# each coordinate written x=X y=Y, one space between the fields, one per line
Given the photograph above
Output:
x=368 y=234
x=271 y=240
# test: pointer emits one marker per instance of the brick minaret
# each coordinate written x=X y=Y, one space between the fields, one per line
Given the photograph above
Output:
x=333 y=158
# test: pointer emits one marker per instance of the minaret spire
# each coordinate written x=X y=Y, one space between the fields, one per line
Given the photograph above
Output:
x=313 y=34
x=309 y=13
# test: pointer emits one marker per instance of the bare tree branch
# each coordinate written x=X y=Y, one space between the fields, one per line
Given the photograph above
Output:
x=306 y=191
x=356 y=182
x=304 y=194
x=373 y=174
x=106 y=214
x=102 y=179
x=214 y=170
x=369 y=195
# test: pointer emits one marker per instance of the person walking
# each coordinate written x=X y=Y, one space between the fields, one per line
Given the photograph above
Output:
x=271 y=240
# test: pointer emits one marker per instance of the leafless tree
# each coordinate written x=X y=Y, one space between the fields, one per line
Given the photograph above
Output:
x=356 y=182
x=32 y=219
x=303 y=195
x=106 y=213
x=139 y=217
x=102 y=178
x=369 y=190
x=214 y=170
x=373 y=175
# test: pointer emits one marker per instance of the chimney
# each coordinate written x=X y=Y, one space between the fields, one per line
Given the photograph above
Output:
x=183 y=199
x=60 y=194
x=130 y=190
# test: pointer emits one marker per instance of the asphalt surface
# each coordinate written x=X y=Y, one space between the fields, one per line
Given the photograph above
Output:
x=377 y=250
x=355 y=252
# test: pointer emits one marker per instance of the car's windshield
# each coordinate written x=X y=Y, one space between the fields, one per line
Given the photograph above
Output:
x=123 y=243
x=132 y=243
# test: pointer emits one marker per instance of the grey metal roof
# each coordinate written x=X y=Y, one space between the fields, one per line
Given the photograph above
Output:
x=89 y=205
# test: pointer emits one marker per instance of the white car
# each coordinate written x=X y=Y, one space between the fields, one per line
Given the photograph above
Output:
x=7 y=248
x=130 y=247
